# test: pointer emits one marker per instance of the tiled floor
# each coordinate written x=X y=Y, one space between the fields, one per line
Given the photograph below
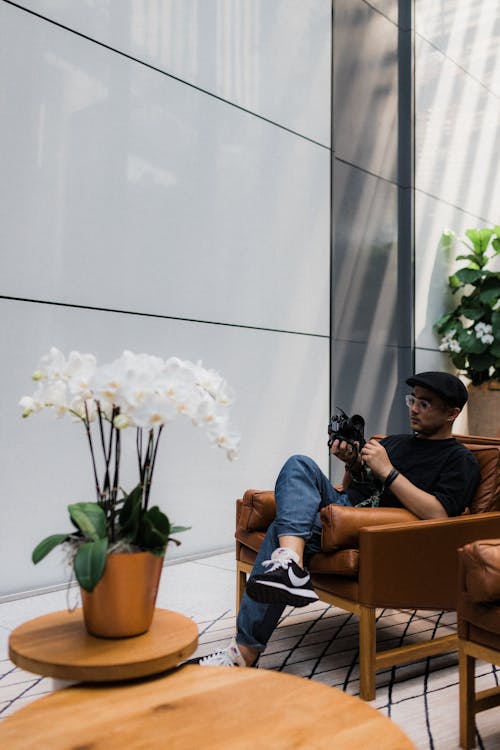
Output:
x=317 y=642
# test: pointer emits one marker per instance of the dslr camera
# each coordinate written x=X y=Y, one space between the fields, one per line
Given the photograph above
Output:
x=350 y=429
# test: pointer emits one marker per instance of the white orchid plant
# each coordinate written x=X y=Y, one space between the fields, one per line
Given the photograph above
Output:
x=136 y=391
x=470 y=333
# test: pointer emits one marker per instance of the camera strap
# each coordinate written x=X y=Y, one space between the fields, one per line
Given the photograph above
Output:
x=369 y=486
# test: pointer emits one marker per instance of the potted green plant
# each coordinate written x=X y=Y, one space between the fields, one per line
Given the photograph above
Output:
x=141 y=393
x=470 y=332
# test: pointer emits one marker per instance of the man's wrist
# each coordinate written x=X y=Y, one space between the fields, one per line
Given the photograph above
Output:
x=390 y=478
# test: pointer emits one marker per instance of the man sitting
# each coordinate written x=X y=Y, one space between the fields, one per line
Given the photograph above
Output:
x=428 y=472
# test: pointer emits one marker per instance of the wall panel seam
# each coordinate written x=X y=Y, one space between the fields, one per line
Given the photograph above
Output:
x=457 y=64
x=453 y=205
x=156 y=69
x=158 y=316
x=368 y=172
x=384 y=15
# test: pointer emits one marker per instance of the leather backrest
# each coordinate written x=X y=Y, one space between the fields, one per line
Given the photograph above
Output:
x=487 y=497
x=487 y=452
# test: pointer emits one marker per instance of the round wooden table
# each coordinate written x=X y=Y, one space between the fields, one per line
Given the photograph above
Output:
x=58 y=645
x=203 y=707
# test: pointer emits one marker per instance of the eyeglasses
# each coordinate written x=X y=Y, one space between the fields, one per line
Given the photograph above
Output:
x=422 y=403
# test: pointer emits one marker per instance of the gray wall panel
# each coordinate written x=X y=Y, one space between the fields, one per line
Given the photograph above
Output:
x=365 y=88
x=365 y=258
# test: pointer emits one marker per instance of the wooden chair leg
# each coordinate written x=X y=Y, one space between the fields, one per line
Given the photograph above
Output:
x=466 y=667
x=241 y=582
x=367 y=650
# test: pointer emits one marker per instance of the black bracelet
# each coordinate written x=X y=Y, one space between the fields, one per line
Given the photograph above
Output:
x=390 y=478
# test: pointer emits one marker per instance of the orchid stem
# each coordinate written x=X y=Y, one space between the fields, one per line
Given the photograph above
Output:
x=86 y=422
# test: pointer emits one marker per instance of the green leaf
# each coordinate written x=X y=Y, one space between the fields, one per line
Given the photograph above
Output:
x=473 y=259
x=468 y=275
x=495 y=349
x=470 y=343
x=90 y=562
x=441 y=325
x=490 y=289
x=151 y=538
x=472 y=310
x=159 y=520
x=178 y=529
x=495 y=322
x=453 y=282
x=480 y=238
x=481 y=362
x=459 y=359
x=90 y=519
x=46 y=546
x=130 y=513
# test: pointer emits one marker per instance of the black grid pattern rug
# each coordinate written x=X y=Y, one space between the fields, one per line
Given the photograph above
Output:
x=319 y=643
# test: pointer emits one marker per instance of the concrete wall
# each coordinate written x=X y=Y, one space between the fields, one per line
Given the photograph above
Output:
x=165 y=177
x=457 y=154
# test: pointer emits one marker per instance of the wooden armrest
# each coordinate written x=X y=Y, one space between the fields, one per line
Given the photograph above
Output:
x=342 y=524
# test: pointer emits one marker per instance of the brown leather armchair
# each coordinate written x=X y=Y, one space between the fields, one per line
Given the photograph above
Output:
x=478 y=614
x=384 y=557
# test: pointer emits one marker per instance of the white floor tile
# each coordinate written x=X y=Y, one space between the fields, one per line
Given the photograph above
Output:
x=15 y=612
x=197 y=591
x=4 y=643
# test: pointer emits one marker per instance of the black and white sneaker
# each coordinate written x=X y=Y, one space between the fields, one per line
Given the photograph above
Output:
x=284 y=583
x=230 y=656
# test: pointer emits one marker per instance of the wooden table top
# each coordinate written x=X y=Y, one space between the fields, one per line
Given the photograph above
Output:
x=202 y=707
x=58 y=645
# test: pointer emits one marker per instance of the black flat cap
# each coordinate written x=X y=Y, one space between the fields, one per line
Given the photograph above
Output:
x=449 y=387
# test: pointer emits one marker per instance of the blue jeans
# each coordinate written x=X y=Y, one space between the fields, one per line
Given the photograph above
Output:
x=301 y=491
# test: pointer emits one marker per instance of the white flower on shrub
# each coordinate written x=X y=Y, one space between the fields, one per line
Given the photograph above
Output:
x=449 y=343
x=484 y=332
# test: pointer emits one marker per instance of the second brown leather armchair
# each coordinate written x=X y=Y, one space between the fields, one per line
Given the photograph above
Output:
x=478 y=629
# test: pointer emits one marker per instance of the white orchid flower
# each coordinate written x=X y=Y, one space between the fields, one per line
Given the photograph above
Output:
x=135 y=390
x=29 y=405
x=153 y=411
x=122 y=421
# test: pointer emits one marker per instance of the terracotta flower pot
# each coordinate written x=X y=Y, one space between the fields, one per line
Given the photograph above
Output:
x=483 y=409
x=123 y=602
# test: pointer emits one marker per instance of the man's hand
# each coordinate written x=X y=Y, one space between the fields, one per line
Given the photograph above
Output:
x=344 y=451
x=375 y=456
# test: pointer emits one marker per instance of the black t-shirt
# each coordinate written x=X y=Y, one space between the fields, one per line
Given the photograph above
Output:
x=444 y=468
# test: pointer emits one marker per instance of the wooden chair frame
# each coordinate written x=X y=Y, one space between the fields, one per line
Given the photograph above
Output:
x=370 y=662
x=472 y=703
